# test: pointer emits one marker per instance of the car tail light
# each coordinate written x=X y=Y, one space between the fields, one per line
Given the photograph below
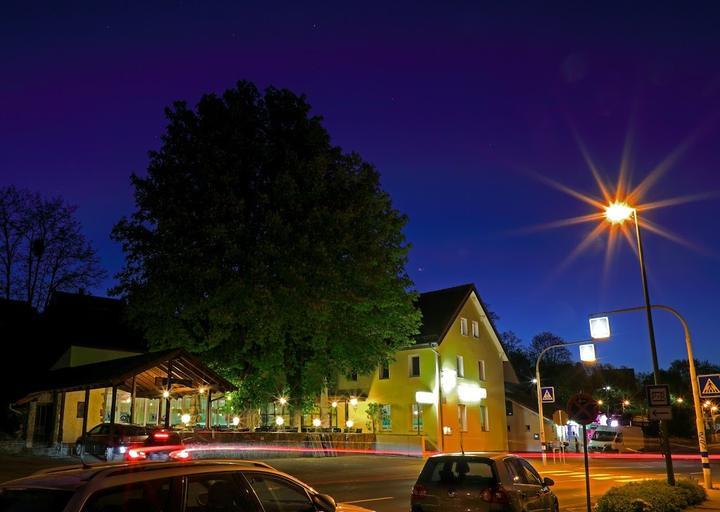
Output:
x=162 y=436
x=495 y=495
x=418 y=493
x=136 y=455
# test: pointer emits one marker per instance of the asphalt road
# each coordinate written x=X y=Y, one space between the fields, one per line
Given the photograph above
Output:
x=384 y=483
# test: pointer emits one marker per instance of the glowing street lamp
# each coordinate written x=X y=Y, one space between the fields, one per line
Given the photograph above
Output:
x=626 y=402
x=599 y=328
x=236 y=421
x=316 y=422
x=353 y=401
x=279 y=421
x=618 y=212
x=679 y=400
x=282 y=400
x=349 y=423
x=185 y=418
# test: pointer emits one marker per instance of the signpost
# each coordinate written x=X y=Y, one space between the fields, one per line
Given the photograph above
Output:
x=658 y=395
x=660 y=413
x=709 y=385
x=548 y=395
x=583 y=409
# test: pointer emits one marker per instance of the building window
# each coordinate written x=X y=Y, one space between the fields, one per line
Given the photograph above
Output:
x=475 y=329
x=481 y=370
x=460 y=363
x=527 y=428
x=414 y=366
x=462 y=417
x=80 y=412
x=484 y=421
x=384 y=371
x=509 y=408
x=463 y=326
x=353 y=376
x=385 y=418
x=416 y=418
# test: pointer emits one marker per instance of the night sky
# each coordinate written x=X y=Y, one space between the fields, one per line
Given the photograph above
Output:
x=459 y=106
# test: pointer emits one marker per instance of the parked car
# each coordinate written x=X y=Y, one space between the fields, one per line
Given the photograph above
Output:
x=193 y=486
x=111 y=443
x=618 y=439
x=158 y=445
x=481 y=482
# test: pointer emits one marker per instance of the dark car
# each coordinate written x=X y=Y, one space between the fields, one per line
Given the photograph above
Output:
x=482 y=482
x=159 y=445
x=111 y=442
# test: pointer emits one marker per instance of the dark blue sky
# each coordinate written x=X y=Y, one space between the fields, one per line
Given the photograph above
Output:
x=457 y=106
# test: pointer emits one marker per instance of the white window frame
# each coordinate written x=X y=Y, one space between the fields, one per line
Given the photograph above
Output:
x=481 y=370
x=463 y=326
x=475 y=329
x=462 y=418
x=460 y=366
x=410 y=366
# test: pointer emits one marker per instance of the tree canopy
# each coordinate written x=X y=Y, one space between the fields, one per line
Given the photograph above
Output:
x=42 y=248
x=261 y=245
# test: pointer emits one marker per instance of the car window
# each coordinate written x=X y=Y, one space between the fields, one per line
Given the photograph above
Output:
x=214 y=492
x=146 y=495
x=279 y=495
x=95 y=429
x=457 y=471
x=515 y=472
x=531 y=476
x=33 y=500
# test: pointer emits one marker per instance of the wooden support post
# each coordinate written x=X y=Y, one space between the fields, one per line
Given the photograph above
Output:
x=208 y=410
x=133 y=390
x=169 y=388
x=85 y=412
x=61 y=418
x=159 y=411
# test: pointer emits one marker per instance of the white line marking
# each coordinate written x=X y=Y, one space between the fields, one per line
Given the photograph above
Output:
x=371 y=499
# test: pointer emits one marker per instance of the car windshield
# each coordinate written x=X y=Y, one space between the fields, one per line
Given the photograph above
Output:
x=34 y=500
x=603 y=435
x=468 y=471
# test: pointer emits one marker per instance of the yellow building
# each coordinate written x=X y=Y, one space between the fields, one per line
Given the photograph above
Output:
x=445 y=393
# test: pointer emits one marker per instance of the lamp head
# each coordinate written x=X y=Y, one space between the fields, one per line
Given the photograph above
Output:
x=618 y=212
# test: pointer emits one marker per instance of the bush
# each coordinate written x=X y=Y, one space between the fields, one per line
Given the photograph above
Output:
x=651 y=496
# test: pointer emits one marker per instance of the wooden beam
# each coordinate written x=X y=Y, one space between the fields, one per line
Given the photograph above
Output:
x=85 y=411
x=208 y=411
x=169 y=388
x=113 y=408
x=61 y=419
x=133 y=391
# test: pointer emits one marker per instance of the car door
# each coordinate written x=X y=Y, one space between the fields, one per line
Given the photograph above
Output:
x=539 y=496
x=216 y=492
x=156 y=495
x=526 y=486
x=95 y=438
x=278 y=494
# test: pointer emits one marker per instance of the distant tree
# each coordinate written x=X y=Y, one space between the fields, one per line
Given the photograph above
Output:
x=262 y=246
x=518 y=355
x=557 y=356
x=42 y=248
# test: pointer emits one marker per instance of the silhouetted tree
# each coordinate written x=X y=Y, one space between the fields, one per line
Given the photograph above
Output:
x=518 y=355
x=259 y=244
x=42 y=248
x=541 y=341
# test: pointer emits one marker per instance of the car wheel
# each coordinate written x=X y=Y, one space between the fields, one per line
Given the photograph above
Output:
x=79 y=449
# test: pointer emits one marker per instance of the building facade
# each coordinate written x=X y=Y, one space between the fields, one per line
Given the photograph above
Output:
x=447 y=389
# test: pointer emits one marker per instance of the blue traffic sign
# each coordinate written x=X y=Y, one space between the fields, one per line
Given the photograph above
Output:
x=548 y=395
x=709 y=385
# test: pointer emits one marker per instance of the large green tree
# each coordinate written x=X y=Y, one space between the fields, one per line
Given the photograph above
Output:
x=259 y=244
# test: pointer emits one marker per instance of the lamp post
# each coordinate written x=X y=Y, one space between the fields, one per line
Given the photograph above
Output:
x=617 y=213
x=541 y=420
x=699 y=421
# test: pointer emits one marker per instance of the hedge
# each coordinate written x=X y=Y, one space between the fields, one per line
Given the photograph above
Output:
x=651 y=496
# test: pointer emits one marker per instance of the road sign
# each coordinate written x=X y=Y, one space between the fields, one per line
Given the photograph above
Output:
x=582 y=408
x=660 y=413
x=658 y=395
x=548 y=395
x=709 y=385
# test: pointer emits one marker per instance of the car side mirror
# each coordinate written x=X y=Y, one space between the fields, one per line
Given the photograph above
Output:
x=547 y=482
x=324 y=503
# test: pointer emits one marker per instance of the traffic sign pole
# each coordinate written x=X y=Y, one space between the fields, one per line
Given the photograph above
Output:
x=587 y=469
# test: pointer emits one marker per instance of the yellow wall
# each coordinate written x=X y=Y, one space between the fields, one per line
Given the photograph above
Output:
x=72 y=426
x=399 y=390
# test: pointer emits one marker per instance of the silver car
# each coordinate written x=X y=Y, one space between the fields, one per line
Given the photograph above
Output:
x=190 y=486
x=482 y=482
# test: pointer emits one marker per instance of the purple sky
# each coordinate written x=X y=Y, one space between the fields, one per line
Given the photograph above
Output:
x=456 y=105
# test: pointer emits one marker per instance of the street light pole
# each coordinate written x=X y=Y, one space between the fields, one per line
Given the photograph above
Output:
x=699 y=420
x=541 y=420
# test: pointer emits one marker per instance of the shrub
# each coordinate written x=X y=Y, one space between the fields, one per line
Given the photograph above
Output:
x=651 y=496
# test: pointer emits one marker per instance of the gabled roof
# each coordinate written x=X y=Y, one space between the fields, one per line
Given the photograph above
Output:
x=147 y=368
x=440 y=308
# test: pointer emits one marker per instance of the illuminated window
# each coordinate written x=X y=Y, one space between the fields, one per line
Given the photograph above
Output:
x=475 y=329
x=484 y=420
x=384 y=371
x=481 y=370
x=416 y=418
x=462 y=417
x=385 y=417
x=414 y=366
x=460 y=366
x=463 y=326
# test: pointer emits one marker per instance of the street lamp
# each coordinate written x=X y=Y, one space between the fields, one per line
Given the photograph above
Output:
x=536 y=380
x=617 y=213
x=699 y=420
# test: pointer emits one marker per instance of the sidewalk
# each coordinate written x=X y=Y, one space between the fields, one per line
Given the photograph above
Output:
x=712 y=503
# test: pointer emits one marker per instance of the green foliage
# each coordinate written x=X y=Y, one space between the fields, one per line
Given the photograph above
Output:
x=374 y=413
x=261 y=246
x=661 y=497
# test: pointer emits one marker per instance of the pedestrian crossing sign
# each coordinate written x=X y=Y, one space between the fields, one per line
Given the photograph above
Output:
x=548 y=395
x=709 y=385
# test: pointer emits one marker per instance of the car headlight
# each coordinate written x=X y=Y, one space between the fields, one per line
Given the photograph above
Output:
x=122 y=449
